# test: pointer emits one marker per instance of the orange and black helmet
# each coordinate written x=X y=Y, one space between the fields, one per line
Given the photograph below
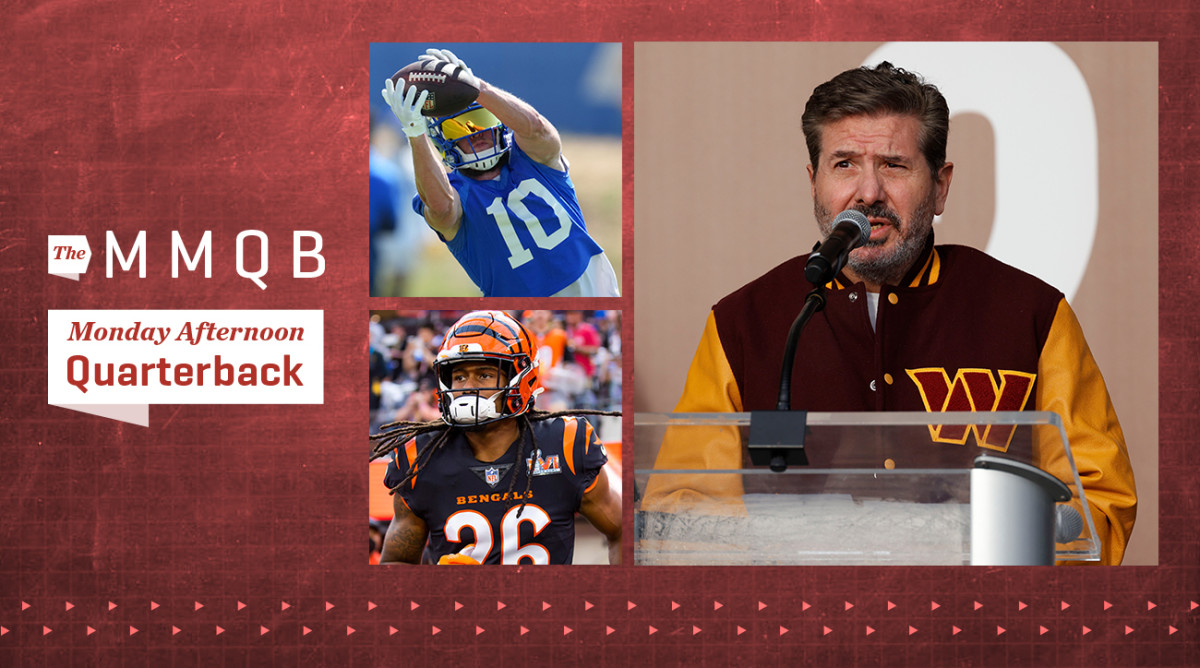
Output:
x=491 y=337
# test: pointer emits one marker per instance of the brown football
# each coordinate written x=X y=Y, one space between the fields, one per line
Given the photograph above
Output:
x=449 y=93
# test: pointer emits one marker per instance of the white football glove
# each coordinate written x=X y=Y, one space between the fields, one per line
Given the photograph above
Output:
x=447 y=56
x=406 y=107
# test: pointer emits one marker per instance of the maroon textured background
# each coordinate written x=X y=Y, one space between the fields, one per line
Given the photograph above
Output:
x=233 y=534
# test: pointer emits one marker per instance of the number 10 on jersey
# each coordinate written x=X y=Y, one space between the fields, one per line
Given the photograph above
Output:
x=518 y=254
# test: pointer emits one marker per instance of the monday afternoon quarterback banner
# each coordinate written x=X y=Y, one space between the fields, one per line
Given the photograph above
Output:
x=117 y=362
x=185 y=357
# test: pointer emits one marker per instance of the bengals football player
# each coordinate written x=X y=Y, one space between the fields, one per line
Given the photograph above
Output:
x=496 y=481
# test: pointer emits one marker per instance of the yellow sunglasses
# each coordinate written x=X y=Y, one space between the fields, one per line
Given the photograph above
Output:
x=468 y=123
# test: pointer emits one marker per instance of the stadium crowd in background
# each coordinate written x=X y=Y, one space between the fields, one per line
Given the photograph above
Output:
x=579 y=352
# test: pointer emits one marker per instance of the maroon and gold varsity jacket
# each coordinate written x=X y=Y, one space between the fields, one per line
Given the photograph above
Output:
x=962 y=331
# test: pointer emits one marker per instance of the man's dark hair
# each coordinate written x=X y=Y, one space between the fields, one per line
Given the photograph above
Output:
x=875 y=91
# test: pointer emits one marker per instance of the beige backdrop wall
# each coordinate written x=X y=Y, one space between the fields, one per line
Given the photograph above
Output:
x=721 y=195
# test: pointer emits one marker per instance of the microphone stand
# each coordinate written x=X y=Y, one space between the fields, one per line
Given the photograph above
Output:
x=777 y=437
x=814 y=302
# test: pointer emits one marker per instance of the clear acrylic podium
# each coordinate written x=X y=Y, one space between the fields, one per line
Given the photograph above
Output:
x=887 y=488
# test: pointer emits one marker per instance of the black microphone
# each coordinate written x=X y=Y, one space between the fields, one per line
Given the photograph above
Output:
x=851 y=229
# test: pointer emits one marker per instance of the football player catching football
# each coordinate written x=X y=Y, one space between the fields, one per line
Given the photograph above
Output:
x=495 y=481
x=507 y=210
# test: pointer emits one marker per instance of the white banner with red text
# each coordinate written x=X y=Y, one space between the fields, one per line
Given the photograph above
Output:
x=115 y=363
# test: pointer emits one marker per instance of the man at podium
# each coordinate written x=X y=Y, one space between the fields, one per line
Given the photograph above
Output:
x=907 y=325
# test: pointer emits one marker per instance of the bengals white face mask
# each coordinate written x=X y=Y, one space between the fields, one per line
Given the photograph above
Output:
x=471 y=409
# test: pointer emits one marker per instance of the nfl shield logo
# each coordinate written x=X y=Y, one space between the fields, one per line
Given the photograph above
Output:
x=491 y=476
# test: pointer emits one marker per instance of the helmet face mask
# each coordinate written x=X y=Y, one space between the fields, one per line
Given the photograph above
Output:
x=473 y=405
x=495 y=339
x=460 y=138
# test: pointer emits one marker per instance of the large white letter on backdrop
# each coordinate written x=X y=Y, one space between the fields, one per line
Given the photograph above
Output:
x=1047 y=169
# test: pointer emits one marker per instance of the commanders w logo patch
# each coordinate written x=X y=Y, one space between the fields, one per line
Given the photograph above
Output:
x=973 y=390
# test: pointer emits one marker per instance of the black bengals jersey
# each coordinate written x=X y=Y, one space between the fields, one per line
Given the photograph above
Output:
x=464 y=501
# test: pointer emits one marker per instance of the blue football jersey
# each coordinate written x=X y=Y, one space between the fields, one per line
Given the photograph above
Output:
x=522 y=234
x=465 y=501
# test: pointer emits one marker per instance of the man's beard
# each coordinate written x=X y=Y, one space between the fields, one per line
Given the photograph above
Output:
x=891 y=268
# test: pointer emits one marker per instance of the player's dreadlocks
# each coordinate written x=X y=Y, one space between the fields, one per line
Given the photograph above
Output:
x=396 y=434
